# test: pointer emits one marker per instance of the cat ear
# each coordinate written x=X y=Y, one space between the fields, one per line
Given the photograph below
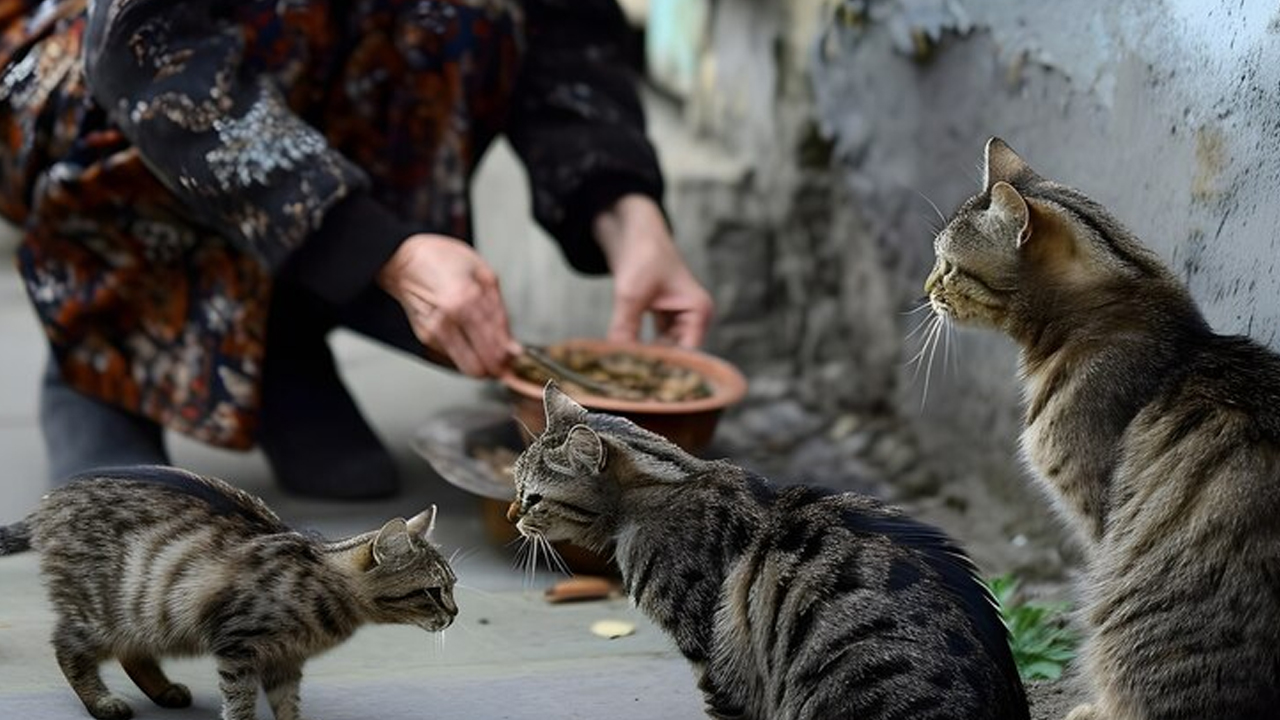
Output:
x=561 y=409
x=1009 y=204
x=584 y=449
x=582 y=453
x=392 y=542
x=421 y=525
x=1001 y=164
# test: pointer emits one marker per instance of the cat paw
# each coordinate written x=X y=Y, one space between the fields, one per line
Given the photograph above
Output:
x=174 y=696
x=1084 y=712
x=723 y=713
x=110 y=707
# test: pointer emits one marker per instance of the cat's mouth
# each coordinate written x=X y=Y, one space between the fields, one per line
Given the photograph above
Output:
x=964 y=308
x=436 y=624
x=940 y=305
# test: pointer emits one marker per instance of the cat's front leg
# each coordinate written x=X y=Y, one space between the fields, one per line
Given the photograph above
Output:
x=281 y=684
x=238 y=681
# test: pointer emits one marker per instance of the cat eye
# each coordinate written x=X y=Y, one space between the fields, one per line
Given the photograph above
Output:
x=392 y=599
x=436 y=594
x=531 y=500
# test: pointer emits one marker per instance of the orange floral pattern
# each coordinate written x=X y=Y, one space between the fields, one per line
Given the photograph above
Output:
x=165 y=158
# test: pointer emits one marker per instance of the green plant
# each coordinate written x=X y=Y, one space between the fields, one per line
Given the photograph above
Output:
x=1041 y=640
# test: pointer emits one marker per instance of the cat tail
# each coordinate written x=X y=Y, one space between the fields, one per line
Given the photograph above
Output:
x=15 y=538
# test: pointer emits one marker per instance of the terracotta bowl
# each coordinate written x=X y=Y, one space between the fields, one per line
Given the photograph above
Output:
x=689 y=424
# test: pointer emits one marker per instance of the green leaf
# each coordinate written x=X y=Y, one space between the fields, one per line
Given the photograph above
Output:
x=1041 y=642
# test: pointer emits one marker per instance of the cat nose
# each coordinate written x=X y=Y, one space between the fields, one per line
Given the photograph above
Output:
x=444 y=600
x=935 y=278
x=514 y=510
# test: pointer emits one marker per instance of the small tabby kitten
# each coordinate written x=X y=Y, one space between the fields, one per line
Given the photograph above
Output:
x=147 y=562
x=1158 y=439
x=792 y=603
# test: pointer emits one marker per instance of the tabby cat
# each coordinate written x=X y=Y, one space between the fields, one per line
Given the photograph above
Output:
x=1158 y=439
x=792 y=603
x=146 y=562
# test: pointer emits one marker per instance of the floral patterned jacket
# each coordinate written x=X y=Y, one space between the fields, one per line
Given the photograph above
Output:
x=167 y=159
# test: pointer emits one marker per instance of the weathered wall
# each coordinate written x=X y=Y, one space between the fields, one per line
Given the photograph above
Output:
x=853 y=117
x=827 y=128
x=1164 y=111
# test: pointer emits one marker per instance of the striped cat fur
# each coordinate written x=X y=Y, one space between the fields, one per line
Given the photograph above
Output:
x=1157 y=439
x=147 y=562
x=792 y=603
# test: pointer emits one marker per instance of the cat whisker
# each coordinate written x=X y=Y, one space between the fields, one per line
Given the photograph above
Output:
x=463 y=555
x=474 y=589
x=531 y=562
x=924 y=358
x=556 y=562
x=946 y=347
x=934 y=338
x=528 y=433
x=951 y=341
x=930 y=322
x=922 y=306
x=933 y=205
x=924 y=322
x=521 y=553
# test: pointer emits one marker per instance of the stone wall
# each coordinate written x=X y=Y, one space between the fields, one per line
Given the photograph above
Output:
x=853 y=119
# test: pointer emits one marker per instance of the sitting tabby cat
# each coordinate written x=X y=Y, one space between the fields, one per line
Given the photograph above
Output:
x=152 y=561
x=793 y=603
x=1158 y=439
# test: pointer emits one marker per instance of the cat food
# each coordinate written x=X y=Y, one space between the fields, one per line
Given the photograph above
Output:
x=629 y=376
x=613 y=629
x=581 y=587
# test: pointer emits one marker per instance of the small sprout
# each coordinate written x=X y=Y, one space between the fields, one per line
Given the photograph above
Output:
x=1039 y=636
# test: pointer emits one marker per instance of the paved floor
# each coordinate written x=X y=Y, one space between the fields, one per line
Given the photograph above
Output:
x=509 y=655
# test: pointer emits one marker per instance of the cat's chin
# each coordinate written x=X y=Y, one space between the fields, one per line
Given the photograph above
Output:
x=433 y=625
x=531 y=532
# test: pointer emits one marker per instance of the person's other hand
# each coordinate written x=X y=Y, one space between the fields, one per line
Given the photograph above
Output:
x=650 y=275
x=452 y=300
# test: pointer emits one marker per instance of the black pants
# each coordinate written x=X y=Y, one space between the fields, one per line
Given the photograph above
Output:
x=299 y=379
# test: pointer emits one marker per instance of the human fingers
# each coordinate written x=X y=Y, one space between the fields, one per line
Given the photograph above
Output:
x=690 y=326
x=628 y=312
x=485 y=324
x=443 y=333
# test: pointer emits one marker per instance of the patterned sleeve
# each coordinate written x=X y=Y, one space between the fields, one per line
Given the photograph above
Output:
x=225 y=142
x=577 y=122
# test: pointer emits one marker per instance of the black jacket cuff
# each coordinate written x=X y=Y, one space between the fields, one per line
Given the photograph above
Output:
x=598 y=194
x=343 y=257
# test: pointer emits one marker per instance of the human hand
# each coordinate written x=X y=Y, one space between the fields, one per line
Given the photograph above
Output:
x=649 y=275
x=451 y=298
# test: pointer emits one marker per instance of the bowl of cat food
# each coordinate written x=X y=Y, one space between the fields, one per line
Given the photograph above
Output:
x=675 y=392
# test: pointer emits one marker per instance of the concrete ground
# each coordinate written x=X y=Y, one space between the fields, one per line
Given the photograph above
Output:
x=509 y=655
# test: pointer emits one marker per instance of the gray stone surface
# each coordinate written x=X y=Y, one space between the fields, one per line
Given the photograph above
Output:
x=510 y=655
